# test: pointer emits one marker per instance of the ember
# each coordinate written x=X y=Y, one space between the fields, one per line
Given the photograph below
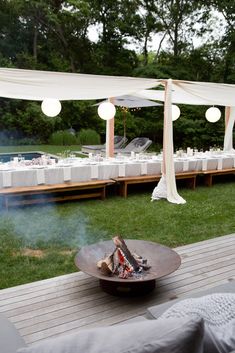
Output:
x=121 y=262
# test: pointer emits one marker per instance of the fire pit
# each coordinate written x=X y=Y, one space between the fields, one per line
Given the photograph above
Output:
x=161 y=259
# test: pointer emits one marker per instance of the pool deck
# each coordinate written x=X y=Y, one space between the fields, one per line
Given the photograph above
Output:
x=71 y=302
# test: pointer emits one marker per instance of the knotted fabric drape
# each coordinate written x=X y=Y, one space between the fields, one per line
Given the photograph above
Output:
x=167 y=181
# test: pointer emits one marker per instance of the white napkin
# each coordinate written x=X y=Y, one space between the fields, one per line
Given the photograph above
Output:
x=185 y=166
x=220 y=163
x=40 y=176
x=6 y=179
x=204 y=164
x=121 y=170
x=143 y=168
x=94 y=172
x=67 y=173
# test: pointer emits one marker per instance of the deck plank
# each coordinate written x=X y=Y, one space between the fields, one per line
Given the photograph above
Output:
x=75 y=301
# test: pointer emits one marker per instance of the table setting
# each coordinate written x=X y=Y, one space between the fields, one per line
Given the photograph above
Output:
x=45 y=170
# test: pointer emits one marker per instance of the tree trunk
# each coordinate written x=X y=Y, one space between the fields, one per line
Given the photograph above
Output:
x=145 y=51
x=35 y=43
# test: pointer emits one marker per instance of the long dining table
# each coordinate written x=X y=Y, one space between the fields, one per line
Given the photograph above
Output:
x=77 y=169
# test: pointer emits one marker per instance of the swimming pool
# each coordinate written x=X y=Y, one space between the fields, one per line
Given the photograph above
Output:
x=6 y=157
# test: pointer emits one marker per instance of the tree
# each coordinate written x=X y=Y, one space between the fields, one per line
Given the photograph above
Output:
x=178 y=18
x=115 y=21
x=227 y=43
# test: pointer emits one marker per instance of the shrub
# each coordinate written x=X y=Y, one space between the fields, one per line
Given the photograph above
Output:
x=28 y=141
x=89 y=137
x=8 y=140
x=56 y=138
x=63 y=138
x=70 y=139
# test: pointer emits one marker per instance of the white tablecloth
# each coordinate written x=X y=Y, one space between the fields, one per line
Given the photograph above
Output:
x=85 y=169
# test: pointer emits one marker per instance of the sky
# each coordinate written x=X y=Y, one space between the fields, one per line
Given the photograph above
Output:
x=218 y=26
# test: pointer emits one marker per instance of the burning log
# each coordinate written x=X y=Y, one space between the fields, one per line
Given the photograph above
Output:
x=121 y=262
x=125 y=253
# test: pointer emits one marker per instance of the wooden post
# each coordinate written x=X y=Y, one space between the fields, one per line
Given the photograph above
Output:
x=227 y=115
x=110 y=136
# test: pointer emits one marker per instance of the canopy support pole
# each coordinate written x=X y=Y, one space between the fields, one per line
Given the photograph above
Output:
x=110 y=136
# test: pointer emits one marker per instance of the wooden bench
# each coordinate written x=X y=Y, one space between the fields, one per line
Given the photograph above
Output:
x=190 y=176
x=53 y=193
x=125 y=181
x=208 y=174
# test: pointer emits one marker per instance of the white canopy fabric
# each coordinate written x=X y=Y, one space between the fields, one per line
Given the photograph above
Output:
x=37 y=85
x=128 y=101
x=195 y=93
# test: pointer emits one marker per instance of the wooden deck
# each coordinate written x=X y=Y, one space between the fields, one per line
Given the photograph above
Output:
x=67 y=303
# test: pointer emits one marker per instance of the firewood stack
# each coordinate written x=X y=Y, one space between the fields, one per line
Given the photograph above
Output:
x=122 y=262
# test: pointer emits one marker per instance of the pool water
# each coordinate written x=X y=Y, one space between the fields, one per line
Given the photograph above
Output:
x=6 y=157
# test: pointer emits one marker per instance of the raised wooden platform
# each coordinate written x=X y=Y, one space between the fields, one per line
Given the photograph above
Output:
x=28 y=195
x=53 y=193
x=209 y=174
x=72 y=302
x=123 y=182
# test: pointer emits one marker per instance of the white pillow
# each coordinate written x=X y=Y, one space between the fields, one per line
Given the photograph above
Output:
x=182 y=335
x=218 y=312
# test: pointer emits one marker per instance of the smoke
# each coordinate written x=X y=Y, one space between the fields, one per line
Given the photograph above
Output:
x=55 y=225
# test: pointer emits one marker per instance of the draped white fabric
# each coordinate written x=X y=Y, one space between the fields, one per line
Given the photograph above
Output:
x=216 y=93
x=168 y=160
x=178 y=96
x=228 y=137
x=195 y=93
x=37 y=85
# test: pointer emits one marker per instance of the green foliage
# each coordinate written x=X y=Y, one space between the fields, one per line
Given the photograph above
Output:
x=193 y=130
x=64 y=138
x=24 y=119
x=53 y=149
x=56 y=138
x=89 y=137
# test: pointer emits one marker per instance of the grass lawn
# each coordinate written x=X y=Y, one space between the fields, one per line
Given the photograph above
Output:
x=43 y=148
x=40 y=242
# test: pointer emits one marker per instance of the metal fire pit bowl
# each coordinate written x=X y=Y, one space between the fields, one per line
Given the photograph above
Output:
x=162 y=260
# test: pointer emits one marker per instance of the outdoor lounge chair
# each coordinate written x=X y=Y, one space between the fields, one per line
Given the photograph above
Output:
x=119 y=141
x=139 y=144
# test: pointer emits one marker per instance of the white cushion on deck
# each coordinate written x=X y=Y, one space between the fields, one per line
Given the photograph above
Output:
x=10 y=339
x=218 y=313
x=150 y=336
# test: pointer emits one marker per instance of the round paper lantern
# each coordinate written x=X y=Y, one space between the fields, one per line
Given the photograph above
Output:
x=213 y=114
x=106 y=110
x=175 y=112
x=51 y=107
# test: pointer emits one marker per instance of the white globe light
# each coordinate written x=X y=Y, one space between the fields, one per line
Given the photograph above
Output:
x=106 y=110
x=213 y=114
x=175 y=112
x=51 y=107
